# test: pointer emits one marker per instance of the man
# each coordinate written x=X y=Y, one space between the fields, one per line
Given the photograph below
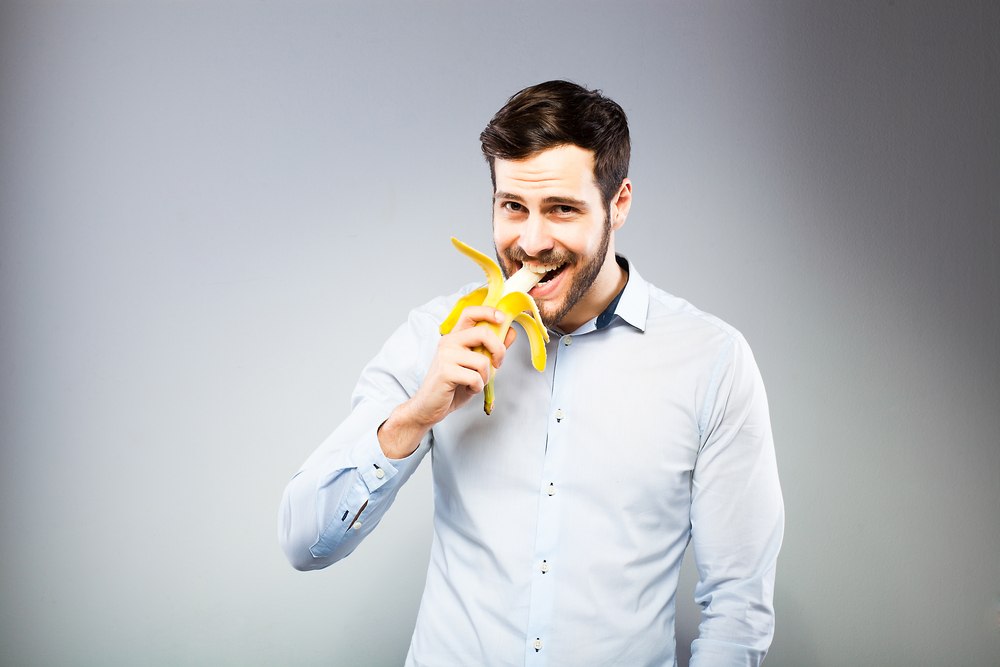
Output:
x=561 y=519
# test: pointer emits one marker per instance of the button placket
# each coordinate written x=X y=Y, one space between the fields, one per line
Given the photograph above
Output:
x=543 y=578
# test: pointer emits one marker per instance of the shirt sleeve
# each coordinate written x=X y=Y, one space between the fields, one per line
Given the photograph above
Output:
x=737 y=516
x=343 y=490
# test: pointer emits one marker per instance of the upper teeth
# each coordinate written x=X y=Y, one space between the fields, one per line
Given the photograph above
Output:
x=542 y=268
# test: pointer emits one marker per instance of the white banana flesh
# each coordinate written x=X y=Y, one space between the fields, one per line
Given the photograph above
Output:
x=525 y=278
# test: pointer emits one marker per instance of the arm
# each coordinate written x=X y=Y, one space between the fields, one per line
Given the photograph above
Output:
x=343 y=490
x=737 y=517
x=456 y=374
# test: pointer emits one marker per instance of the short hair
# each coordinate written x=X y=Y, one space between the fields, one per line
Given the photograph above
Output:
x=556 y=113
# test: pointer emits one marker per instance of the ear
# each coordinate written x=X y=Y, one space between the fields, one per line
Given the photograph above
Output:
x=620 y=204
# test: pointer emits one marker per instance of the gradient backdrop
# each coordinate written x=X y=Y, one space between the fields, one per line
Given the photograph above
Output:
x=213 y=214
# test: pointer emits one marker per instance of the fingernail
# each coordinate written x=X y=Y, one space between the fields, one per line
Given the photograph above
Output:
x=498 y=315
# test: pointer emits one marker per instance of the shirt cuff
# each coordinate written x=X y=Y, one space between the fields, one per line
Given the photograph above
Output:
x=371 y=480
x=376 y=469
x=710 y=653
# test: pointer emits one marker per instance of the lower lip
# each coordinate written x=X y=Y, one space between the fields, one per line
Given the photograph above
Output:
x=547 y=290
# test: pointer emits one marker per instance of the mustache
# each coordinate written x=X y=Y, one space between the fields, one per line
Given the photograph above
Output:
x=514 y=254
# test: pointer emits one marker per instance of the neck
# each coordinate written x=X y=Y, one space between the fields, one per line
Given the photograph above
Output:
x=606 y=287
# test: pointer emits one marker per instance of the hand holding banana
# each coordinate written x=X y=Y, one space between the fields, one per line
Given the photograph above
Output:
x=512 y=298
x=463 y=365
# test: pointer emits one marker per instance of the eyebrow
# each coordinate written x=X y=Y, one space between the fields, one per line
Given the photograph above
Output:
x=568 y=201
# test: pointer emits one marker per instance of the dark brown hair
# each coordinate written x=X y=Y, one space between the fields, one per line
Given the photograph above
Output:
x=556 y=113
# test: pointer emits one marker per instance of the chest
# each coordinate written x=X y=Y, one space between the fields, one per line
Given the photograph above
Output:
x=613 y=421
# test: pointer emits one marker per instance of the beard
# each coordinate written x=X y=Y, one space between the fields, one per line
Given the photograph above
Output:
x=554 y=312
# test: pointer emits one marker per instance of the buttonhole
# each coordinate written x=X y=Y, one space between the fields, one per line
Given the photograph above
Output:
x=356 y=515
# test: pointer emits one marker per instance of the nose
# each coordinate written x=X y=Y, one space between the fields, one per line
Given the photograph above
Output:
x=535 y=238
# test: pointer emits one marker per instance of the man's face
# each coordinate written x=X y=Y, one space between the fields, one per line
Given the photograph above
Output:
x=548 y=210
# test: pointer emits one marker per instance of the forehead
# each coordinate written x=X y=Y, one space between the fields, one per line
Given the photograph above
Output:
x=565 y=168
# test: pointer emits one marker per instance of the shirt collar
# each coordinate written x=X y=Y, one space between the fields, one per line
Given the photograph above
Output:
x=631 y=304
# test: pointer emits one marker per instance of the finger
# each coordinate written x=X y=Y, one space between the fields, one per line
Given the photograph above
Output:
x=472 y=315
x=511 y=337
x=494 y=346
x=462 y=366
x=476 y=336
x=472 y=378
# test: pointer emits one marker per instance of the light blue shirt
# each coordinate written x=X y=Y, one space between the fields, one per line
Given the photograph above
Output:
x=561 y=519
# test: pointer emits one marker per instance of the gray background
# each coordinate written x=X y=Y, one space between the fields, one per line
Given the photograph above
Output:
x=213 y=214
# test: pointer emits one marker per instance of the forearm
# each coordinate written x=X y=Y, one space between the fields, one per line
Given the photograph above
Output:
x=339 y=496
x=345 y=487
x=401 y=434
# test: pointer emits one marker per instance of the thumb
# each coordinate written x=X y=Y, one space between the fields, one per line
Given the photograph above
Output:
x=510 y=337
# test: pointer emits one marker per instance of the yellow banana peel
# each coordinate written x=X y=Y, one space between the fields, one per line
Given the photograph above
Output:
x=512 y=298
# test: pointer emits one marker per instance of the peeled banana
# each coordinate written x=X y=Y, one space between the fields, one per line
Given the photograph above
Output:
x=511 y=297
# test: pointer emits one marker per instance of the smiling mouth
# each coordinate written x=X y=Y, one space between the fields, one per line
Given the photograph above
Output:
x=549 y=271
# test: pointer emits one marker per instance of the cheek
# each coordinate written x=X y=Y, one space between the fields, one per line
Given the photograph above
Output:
x=595 y=237
x=582 y=244
x=499 y=242
x=503 y=237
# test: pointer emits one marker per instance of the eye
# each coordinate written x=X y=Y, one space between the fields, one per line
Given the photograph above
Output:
x=564 y=209
x=512 y=206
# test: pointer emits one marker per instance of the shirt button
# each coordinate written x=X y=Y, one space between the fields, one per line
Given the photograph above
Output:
x=379 y=473
x=545 y=567
x=551 y=490
x=559 y=415
x=538 y=644
x=567 y=340
x=357 y=525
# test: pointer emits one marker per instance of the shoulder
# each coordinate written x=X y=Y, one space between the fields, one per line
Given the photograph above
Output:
x=421 y=327
x=407 y=353
x=677 y=317
x=709 y=352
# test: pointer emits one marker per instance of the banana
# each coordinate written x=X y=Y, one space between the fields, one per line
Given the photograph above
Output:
x=511 y=297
